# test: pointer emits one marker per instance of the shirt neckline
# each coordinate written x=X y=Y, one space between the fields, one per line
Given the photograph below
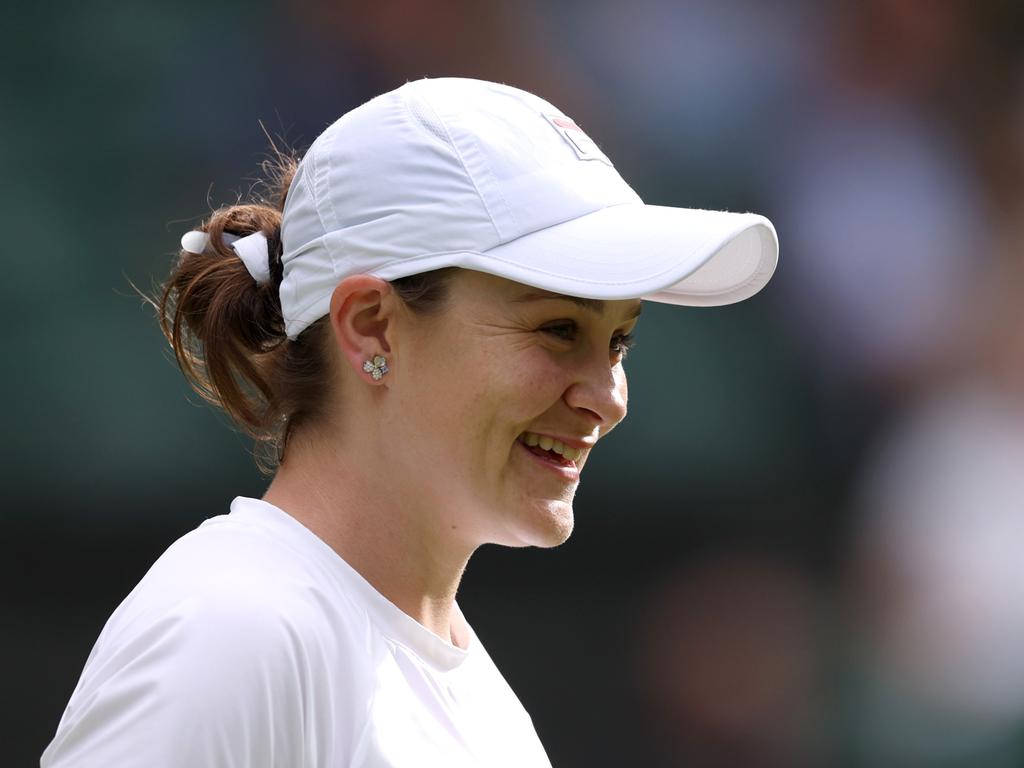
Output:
x=394 y=623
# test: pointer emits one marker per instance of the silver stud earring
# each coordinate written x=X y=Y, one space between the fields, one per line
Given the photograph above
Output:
x=376 y=367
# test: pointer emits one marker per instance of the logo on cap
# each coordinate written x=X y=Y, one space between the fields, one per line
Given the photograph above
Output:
x=582 y=145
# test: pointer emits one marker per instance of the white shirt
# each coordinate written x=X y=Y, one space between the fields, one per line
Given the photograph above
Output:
x=250 y=642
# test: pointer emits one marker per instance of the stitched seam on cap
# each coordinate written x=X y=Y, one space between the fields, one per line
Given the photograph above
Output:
x=330 y=198
x=458 y=155
x=333 y=210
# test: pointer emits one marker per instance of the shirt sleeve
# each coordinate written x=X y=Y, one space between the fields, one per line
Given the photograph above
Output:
x=219 y=680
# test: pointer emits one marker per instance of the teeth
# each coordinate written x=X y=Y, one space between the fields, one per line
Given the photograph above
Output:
x=549 y=444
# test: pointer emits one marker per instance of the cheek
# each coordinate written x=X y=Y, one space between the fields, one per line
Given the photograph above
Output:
x=474 y=400
x=503 y=396
x=534 y=383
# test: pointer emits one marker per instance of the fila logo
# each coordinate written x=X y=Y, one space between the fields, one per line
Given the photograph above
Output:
x=582 y=145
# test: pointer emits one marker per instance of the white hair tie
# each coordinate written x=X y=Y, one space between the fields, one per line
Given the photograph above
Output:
x=251 y=249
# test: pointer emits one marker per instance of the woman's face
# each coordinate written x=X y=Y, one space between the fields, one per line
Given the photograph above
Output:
x=498 y=401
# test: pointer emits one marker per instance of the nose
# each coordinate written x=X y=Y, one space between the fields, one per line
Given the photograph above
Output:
x=599 y=392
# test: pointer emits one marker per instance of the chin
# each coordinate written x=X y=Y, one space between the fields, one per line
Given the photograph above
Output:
x=546 y=525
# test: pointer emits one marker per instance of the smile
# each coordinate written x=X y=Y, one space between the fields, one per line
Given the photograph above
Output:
x=550 y=446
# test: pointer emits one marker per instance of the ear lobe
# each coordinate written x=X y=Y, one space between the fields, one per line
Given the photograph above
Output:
x=361 y=317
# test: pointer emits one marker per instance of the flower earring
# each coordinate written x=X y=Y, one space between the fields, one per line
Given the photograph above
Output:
x=376 y=367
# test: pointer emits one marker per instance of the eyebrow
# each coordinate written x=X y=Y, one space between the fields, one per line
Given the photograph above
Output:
x=592 y=305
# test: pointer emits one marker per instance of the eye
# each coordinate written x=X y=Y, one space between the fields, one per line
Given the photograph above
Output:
x=565 y=330
x=622 y=343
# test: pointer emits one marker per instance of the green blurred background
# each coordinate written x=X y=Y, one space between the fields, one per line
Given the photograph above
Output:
x=802 y=547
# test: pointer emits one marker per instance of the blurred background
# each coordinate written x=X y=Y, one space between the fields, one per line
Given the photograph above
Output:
x=805 y=547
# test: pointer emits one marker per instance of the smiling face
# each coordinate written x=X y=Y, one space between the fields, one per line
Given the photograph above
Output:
x=495 y=403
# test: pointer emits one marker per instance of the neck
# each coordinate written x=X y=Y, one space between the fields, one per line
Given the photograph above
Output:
x=389 y=539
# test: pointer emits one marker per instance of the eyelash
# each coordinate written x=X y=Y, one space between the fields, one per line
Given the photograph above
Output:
x=621 y=344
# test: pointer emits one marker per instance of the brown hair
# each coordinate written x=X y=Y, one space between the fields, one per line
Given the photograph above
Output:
x=228 y=333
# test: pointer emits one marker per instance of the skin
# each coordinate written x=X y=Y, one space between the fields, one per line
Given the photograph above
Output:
x=410 y=474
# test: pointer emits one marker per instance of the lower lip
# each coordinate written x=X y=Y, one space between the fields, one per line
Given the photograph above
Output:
x=567 y=472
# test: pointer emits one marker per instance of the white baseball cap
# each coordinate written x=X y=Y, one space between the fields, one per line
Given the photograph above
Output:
x=454 y=172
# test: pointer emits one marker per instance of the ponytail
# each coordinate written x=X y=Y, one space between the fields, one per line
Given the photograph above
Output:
x=227 y=331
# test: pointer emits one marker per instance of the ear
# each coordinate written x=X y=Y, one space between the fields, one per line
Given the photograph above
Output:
x=362 y=319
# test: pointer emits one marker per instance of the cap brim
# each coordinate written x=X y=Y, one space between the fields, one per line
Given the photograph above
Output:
x=674 y=255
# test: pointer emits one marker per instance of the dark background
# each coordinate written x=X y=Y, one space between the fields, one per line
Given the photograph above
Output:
x=803 y=546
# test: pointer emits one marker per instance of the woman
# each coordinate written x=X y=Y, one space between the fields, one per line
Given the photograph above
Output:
x=428 y=334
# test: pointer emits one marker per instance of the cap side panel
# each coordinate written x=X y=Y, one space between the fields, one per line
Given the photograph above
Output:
x=301 y=222
x=528 y=175
x=474 y=159
x=414 y=110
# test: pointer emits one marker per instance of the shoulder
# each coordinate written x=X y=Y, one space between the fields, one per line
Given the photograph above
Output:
x=241 y=573
x=237 y=591
x=232 y=637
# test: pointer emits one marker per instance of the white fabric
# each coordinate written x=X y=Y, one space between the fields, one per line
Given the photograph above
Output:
x=255 y=254
x=251 y=249
x=457 y=172
x=195 y=242
x=251 y=643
